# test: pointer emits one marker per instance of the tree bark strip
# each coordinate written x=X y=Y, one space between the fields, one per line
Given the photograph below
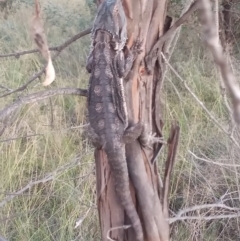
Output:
x=143 y=103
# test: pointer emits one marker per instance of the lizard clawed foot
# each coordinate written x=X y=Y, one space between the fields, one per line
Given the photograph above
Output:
x=147 y=140
x=153 y=139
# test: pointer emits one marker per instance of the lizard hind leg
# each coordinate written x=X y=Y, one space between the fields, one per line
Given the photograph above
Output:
x=123 y=60
x=140 y=131
x=132 y=132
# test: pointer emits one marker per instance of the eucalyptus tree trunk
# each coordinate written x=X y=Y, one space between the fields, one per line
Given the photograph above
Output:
x=146 y=20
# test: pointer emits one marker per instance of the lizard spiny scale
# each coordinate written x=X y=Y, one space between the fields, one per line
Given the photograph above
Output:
x=117 y=141
x=98 y=90
x=113 y=127
x=97 y=72
x=111 y=108
x=108 y=72
x=101 y=124
x=107 y=55
x=99 y=107
x=108 y=88
x=117 y=122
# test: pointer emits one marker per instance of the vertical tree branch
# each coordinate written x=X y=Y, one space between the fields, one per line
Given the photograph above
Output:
x=212 y=42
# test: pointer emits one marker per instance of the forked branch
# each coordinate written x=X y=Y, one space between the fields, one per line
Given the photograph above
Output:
x=153 y=55
x=38 y=74
x=56 y=48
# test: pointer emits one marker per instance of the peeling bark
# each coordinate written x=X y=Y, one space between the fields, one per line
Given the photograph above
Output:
x=146 y=21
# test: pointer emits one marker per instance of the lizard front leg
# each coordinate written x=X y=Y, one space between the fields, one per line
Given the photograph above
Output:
x=132 y=132
x=123 y=62
x=89 y=63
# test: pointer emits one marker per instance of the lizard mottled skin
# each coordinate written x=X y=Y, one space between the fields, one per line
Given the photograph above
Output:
x=107 y=111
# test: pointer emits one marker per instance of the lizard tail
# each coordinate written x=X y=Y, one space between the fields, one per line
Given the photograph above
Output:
x=118 y=165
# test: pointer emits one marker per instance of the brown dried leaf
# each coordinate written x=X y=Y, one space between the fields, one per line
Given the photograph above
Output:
x=50 y=72
x=41 y=41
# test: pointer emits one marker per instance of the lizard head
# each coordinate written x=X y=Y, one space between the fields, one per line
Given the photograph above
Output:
x=111 y=18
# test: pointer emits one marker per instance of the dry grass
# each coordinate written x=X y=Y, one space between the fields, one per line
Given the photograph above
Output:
x=197 y=182
x=45 y=141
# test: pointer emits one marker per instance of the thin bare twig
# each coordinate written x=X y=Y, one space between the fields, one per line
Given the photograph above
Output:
x=205 y=206
x=35 y=76
x=80 y=220
x=2 y=238
x=48 y=177
x=20 y=137
x=42 y=134
x=12 y=216
x=115 y=228
x=5 y=88
x=41 y=95
x=179 y=215
x=57 y=48
x=227 y=216
x=213 y=162
x=212 y=41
